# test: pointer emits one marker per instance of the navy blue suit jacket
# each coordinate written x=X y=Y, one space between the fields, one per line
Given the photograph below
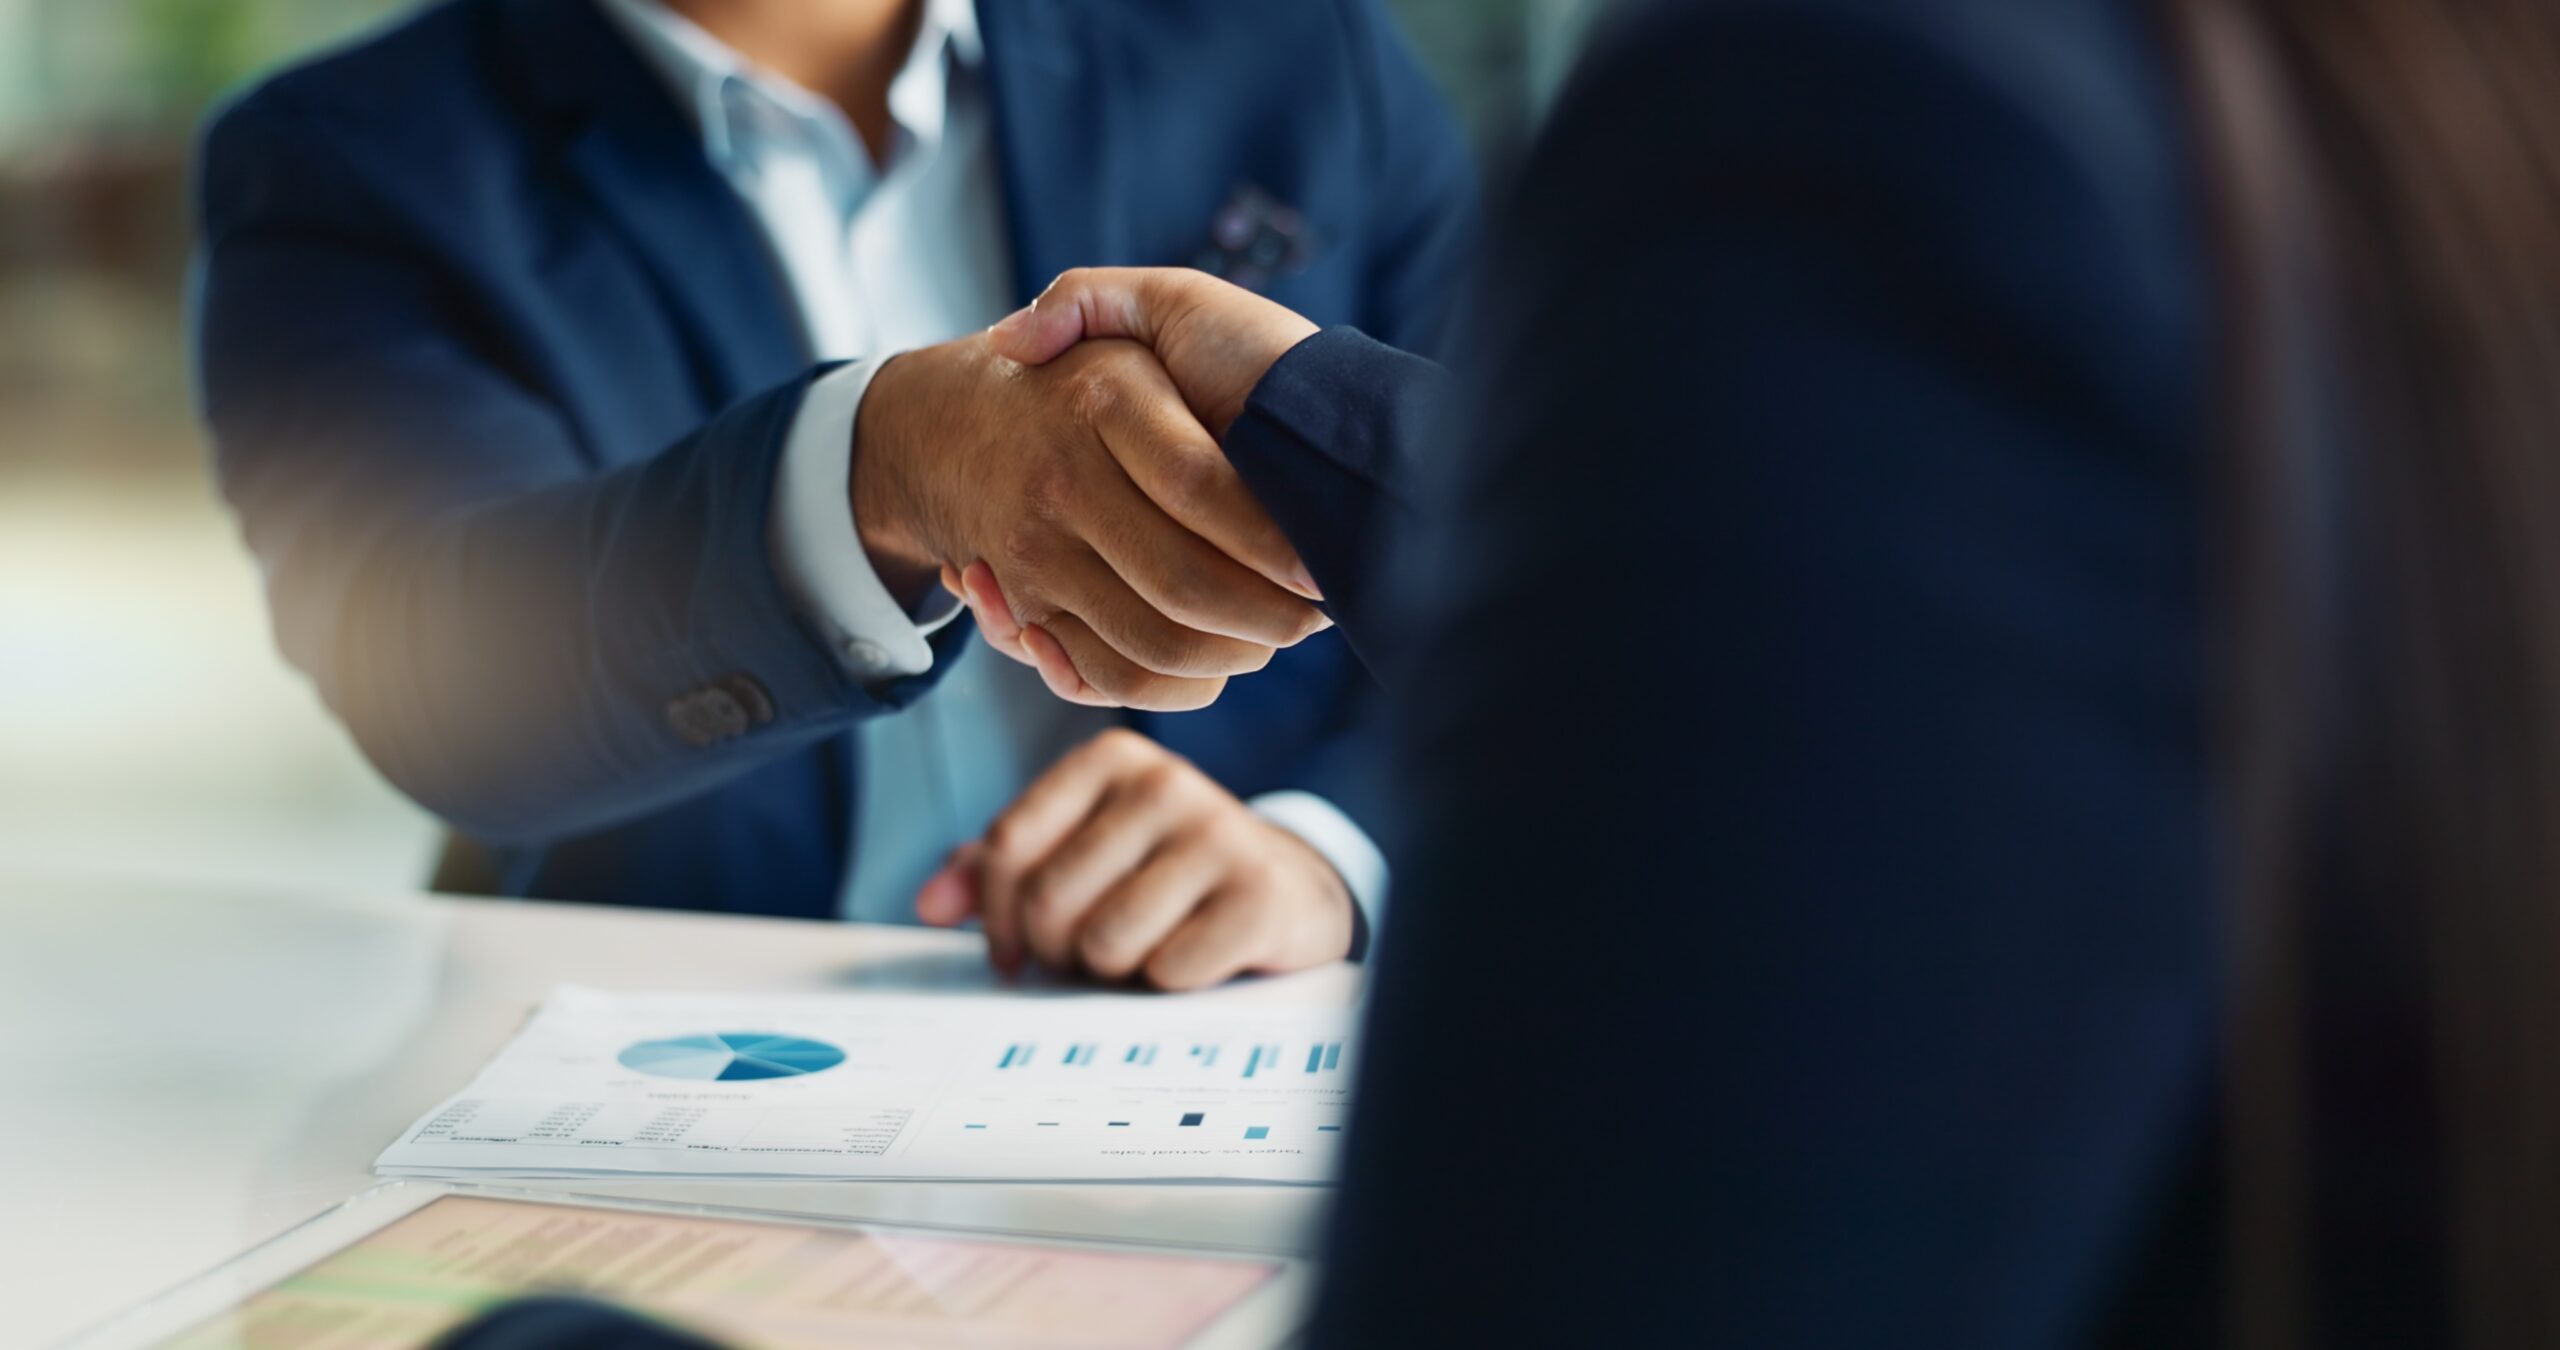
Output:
x=497 y=367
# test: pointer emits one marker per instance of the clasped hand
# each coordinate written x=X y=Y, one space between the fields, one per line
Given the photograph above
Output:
x=1093 y=501
x=1061 y=474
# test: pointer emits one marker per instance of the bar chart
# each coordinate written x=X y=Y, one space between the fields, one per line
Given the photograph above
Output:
x=1253 y=1060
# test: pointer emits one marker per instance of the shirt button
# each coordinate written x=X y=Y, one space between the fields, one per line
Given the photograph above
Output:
x=867 y=656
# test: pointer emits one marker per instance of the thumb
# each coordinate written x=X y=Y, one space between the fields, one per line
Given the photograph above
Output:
x=1087 y=302
x=950 y=896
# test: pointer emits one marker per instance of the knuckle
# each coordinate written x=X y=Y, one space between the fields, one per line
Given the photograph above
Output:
x=1167 y=974
x=1122 y=740
x=1159 y=783
x=1104 y=951
x=1254 y=874
x=1248 y=867
x=1093 y=390
x=1003 y=840
x=1172 y=651
x=1052 y=489
x=1188 y=484
x=1037 y=900
x=1241 y=837
x=1023 y=547
x=1109 y=680
x=1157 y=645
x=1188 y=594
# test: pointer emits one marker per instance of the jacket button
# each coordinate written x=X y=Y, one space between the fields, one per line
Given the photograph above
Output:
x=719 y=712
x=752 y=698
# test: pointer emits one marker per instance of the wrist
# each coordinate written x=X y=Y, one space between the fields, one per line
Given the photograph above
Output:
x=1336 y=935
x=880 y=492
x=1276 y=338
x=1220 y=359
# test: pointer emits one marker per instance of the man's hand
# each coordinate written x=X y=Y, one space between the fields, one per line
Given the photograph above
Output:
x=1124 y=860
x=1124 y=540
x=1215 y=338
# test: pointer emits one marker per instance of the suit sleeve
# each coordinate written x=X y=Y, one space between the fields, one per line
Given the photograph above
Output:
x=1820 y=955
x=527 y=644
x=1328 y=443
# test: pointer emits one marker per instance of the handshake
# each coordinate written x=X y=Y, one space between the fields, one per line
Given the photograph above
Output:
x=1061 y=474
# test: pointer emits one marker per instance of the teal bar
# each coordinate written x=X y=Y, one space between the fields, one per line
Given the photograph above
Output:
x=1315 y=1058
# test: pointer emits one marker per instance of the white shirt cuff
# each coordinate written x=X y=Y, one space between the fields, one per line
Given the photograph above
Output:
x=1343 y=843
x=818 y=554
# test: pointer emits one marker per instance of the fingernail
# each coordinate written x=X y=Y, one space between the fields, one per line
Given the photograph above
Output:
x=1305 y=584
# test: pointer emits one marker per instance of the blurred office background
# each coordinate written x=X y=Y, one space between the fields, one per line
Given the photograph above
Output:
x=145 y=720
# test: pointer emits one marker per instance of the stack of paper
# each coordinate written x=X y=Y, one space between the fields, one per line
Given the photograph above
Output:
x=851 y=1086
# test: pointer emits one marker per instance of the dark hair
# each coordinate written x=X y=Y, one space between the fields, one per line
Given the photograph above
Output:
x=2387 y=179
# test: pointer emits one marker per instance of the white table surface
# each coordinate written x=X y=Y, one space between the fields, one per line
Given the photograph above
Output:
x=186 y=1071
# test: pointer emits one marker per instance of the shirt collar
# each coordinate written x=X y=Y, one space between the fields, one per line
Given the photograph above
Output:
x=702 y=71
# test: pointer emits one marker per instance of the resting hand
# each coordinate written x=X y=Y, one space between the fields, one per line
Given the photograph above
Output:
x=1124 y=860
x=1125 y=541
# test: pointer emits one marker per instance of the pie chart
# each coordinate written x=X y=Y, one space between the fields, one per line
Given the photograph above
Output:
x=731 y=1056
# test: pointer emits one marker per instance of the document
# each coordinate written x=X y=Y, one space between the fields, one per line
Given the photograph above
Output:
x=894 y=1086
x=781 y=1286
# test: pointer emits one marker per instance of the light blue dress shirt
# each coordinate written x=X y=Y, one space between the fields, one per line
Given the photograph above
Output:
x=881 y=259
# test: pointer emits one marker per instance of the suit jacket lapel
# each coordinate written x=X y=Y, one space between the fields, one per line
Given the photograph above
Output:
x=1050 y=96
x=636 y=152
